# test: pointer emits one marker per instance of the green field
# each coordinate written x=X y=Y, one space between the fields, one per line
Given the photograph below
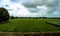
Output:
x=29 y=25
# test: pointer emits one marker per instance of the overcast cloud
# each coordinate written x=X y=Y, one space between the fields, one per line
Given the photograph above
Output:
x=32 y=8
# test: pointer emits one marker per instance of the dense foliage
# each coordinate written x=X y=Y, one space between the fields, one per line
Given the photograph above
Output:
x=4 y=15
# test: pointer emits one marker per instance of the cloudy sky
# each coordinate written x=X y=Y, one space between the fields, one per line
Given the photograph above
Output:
x=32 y=8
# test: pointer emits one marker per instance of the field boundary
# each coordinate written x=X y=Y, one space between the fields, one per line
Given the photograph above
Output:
x=54 y=24
x=29 y=33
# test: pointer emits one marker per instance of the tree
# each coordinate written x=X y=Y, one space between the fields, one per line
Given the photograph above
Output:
x=4 y=15
x=12 y=17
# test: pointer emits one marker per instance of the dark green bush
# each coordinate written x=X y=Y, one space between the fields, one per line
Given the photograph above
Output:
x=4 y=15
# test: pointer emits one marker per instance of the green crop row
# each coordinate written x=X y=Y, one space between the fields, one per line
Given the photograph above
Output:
x=29 y=25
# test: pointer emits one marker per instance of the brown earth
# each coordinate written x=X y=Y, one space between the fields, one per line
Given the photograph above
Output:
x=29 y=33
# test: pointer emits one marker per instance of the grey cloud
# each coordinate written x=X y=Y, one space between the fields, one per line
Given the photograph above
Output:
x=29 y=5
x=33 y=9
x=6 y=5
x=14 y=1
x=51 y=10
x=50 y=4
x=32 y=3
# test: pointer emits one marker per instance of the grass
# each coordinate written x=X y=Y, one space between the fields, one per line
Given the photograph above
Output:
x=29 y=25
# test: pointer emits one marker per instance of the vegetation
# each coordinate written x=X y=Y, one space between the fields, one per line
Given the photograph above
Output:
x=29 y=25
x=4 y=15
x=12 y=17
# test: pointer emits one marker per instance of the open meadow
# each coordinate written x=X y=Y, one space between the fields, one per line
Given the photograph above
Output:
x=30 y=25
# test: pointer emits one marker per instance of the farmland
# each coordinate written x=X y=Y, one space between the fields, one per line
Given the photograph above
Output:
x=29 y=25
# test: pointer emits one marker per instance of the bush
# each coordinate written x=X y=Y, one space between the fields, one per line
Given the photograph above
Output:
x=4 y=15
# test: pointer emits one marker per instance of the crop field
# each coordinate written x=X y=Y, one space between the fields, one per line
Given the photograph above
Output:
x=29 y=25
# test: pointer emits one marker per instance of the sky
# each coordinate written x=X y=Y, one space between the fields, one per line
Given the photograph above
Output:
x=32 y=8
